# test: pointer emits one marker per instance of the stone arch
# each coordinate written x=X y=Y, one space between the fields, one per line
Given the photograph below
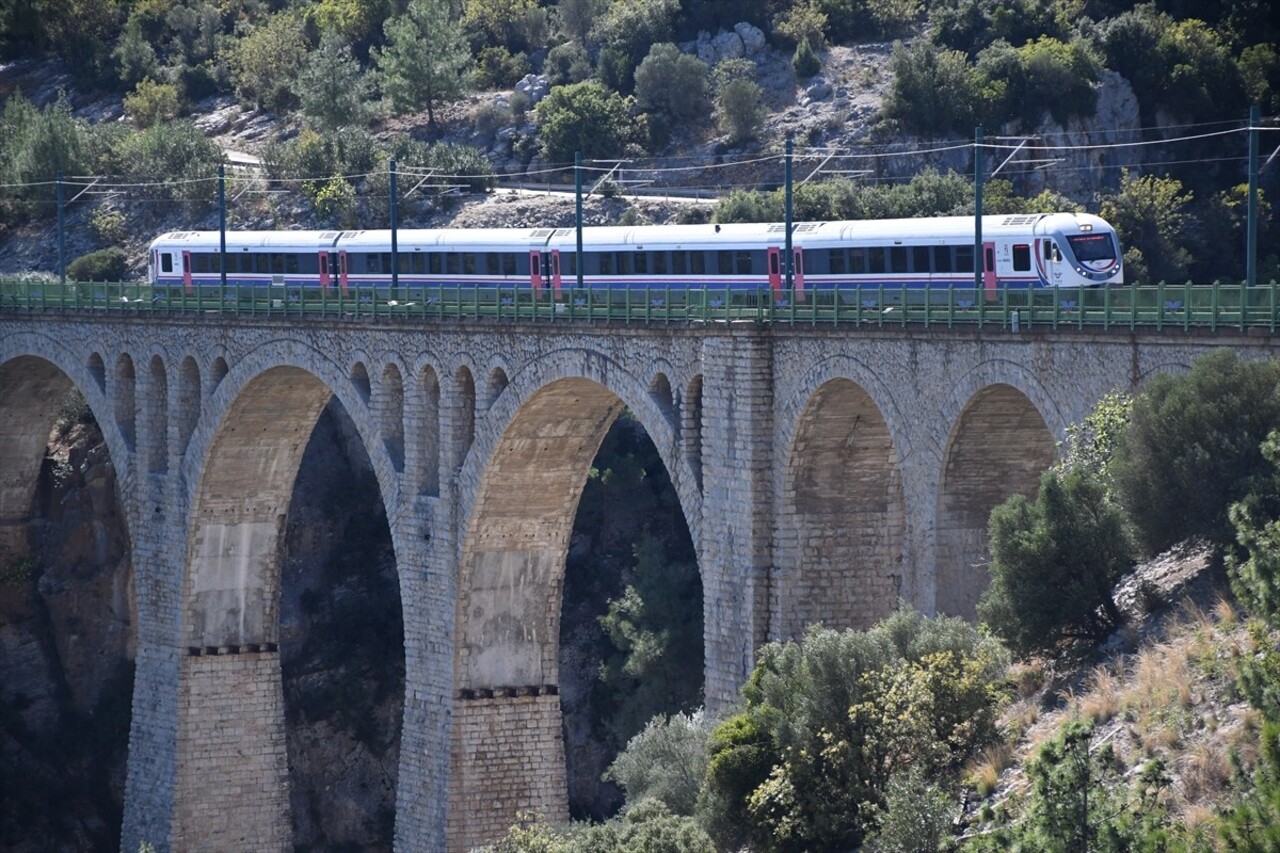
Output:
x=187 y=402
x=98 y=370
x=691 y=428
x=843 y=513
x=217 y=372
x=463 y=410
x=660 y=391
x=428 y=437
x=32 y=390
x=528 y=466
x=241 y=470
x=494 y=386
x=360 y=381
x=999 y=446
x=157 y=417
x=123 y=391
x=391 y=415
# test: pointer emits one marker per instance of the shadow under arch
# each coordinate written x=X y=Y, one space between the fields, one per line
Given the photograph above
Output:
x=844 y=518
x=231 y=712
x=531 y=459
x=998 y=447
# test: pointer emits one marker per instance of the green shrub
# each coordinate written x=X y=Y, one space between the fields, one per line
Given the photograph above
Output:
x=265 y=62
x=108 y=225
x=497 y=68
x=583 y=117
x=666 y=762
x=102 y=265
x=674 y=84
x=567 y=63
x=933 y=91
x=740 y=110
x=1054 y=563
x=1194 y=447
x=176 y=151
x=333 y=89
x=151 y=103
x=830 y=719
x=804 y=61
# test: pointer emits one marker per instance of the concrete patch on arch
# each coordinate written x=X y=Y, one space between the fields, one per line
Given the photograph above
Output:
x=842 y=549
x=999 y=444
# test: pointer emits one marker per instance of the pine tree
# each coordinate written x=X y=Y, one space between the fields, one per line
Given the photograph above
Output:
x=424 y=58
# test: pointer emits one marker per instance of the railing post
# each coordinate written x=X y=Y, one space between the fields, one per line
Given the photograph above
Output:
x=1251 y=238
x=62 y=234
x=222 y=225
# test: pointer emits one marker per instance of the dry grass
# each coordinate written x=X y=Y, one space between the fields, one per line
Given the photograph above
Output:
x=1102 y=701
x=983 y=773
x=1203 y=772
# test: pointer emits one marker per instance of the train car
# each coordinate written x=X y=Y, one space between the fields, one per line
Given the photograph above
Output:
x=901 y=255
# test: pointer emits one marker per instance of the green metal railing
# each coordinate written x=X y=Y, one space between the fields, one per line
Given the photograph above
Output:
x=1161 y=306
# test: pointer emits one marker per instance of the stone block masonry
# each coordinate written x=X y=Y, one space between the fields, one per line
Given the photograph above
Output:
x=233 y=778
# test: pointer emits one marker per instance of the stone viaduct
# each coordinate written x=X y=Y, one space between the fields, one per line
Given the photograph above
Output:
x=825 y=473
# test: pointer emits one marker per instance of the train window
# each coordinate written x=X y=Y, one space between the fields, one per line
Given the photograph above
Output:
x=898 y=258
x=508 y=263
x=773 y=264
x=491 y=263
x=433 y=263
x=522 y=263
x=745 y=262
x=570 y=262
x=166 y=262
x=920 y=259
x=660 y=263
x=724 y=263
x=858 y=261
x=942 y=259
x=469 y=263
x=418 y=263
x=837 y=260
x=233 y=263
x=404 y=262
x=876 y=259
x=606 y=263
x=451 y=263
x=679 y=265
x=309 y=264
x=199 y=263
x=622 y=260
x=989 y=260
x=372 y=263
x=291 y=264
x=1022 y=258
x=697 y=263
x=277 y=263
x=964 y=258
x=261 y=263
x=642 y=262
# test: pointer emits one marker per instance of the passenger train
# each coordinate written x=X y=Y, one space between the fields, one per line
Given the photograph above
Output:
x=1023 y=251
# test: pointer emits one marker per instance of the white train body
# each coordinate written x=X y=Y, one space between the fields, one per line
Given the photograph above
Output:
x=1036 y=250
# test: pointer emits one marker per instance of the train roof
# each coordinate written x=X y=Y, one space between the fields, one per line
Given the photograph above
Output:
x=705 y=236
x=266 y=240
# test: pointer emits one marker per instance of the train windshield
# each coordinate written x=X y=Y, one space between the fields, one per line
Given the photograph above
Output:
x=1093 y=247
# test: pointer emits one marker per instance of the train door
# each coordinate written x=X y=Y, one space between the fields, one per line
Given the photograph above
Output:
x=989 y=279
x=553 y=272
x=797 y=272
x=186 y=271
x=342 y=272
x=775 y=271
x=324 y=270
x=1051 y=270
x=535 y=271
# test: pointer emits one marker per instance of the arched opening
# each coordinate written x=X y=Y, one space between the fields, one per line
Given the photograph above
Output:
x=998 y=447
x=392 y=415
x=495 y=386
x=846 y=517
x=188 y=402
x=660 y=391
x=513 y=620
x=123 y=391
x=293 y=668
x=464 y=414
x=691 y=427
x=67 y=607
x=429 y=438
x=360 y=381
x=157 y=414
